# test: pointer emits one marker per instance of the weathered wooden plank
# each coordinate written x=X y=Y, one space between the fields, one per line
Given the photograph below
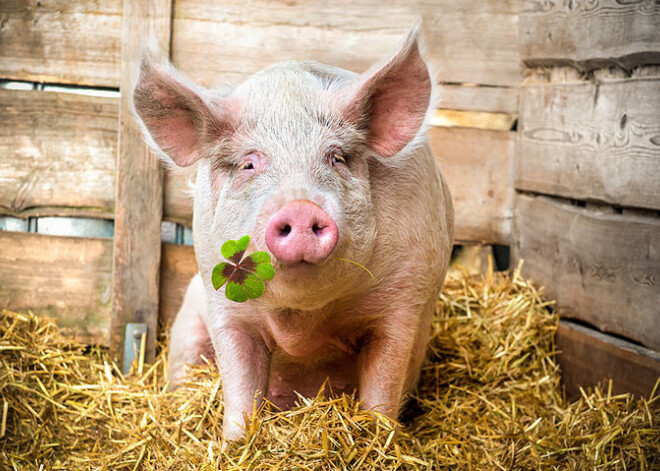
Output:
x=588 y=357
x=224 y=42
x=139 y=197
x=601 y=268
x=68 y=278
x=591 y=34
x=61 y=41
x=177 y=269
x=592 y=140
x=477 y=98
x=477 y=164
x=178 y=195
x=58 y=153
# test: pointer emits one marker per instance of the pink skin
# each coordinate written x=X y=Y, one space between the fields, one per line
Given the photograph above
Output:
x=301 y=232
x=272 y=153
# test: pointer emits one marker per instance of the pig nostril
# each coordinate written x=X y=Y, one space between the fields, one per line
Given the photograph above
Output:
x=318 y=230
x=285 y=231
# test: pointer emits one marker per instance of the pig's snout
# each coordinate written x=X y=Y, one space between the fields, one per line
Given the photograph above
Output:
x=301 y=232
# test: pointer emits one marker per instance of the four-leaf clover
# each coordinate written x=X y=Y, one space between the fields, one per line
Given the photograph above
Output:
x=244 y=276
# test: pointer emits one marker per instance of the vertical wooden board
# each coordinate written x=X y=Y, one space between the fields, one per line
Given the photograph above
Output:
x=61 y=41
x=225 y=42
x=68 y=278
x=58 y=153
x=139 y=201
x=477 y=164
x=590 y=34
x=588 y=358
x=601 y=268
x=177 y=269
x=592 y=140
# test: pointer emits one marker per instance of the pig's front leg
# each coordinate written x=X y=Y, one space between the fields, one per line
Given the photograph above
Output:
x=390 y=362
x=243 y=361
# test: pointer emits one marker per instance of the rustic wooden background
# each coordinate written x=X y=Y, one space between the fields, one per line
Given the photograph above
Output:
x=549 y=135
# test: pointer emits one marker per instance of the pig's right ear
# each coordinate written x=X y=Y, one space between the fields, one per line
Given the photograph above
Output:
x=176 y=115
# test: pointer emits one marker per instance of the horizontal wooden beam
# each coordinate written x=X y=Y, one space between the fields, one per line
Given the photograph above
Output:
x=466 y=42
x=68 y=278
x=588 y=358
x=591 y=34
x=477 y=164
x=58 y=153
x=596 y=140
x=60 y=41
x=601 y=268
x=472 y=97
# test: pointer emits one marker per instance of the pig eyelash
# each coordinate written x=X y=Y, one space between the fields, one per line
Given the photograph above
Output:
x=337 y=158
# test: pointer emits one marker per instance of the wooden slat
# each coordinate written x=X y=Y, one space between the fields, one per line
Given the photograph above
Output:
x=477 y=98
x=601 y=268
x=68 y=278
x=588 y=357
x=224 y=42
x=58 y=154
x=139 y=200
x=591 y=34
x=592 y=141
x=61 y=41
x=477 y=164
x=178 y=196
x=177 y=269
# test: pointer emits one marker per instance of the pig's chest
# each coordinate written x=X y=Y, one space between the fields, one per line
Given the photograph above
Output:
x=306 y=335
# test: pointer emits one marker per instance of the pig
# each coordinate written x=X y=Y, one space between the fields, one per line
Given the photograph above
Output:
x=321 y=167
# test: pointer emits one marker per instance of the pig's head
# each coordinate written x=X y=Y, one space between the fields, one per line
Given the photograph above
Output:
x=286 y=158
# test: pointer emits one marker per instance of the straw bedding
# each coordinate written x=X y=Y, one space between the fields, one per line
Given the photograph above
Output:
x=489 y=398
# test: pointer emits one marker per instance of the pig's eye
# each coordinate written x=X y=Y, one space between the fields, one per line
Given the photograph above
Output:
x=247 y=166
x=337 y=159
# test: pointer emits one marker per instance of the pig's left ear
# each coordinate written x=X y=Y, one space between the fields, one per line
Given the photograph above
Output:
x=391 y=101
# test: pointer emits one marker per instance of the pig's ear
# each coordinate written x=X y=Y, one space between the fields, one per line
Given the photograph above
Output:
x=390 y=101
x=175 y=113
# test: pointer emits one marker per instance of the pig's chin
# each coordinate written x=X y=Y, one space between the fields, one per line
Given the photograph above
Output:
x=301 y=285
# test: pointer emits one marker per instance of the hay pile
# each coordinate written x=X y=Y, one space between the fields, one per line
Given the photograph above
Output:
x=489 y=398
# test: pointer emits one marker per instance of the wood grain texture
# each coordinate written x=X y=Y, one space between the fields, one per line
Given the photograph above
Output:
x=477 y=164
x=61 y=41
x=225 y=42
x=592 y=140
x=178 y=195
x=590 y=34
x=177 y=269
x=68 y=278
x=476 y=98
x=58 y=153
x=588 y=358
x=601 y=268
x=139 y=197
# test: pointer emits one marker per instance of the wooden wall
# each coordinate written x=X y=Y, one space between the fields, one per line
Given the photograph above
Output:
x=587 y=203
x=59 y=149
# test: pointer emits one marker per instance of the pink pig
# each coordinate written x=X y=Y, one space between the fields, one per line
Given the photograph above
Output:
x=316 y=164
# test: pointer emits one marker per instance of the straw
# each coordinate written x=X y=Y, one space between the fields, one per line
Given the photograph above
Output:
x=489 y=398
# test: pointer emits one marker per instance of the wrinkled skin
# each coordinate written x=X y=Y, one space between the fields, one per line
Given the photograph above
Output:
x=353 y=145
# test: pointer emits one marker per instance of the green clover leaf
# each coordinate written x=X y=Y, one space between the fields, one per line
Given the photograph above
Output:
x=245 y=276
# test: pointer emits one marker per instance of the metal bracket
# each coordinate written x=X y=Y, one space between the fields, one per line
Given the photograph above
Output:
x=135 y=344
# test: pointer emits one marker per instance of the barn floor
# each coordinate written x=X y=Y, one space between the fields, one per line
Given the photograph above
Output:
x=489 y=398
